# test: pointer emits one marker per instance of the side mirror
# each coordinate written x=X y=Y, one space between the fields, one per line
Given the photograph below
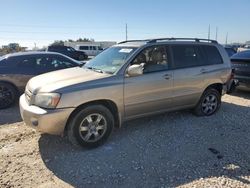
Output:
x=135 y=70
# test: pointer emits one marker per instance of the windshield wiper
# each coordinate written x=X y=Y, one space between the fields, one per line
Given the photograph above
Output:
x=95 y=69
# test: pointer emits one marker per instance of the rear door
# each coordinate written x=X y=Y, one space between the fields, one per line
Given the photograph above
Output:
x=152 y=91
x=188 y=74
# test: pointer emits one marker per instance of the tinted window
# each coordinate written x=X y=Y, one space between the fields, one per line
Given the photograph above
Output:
x=83 y=48
x=187 y=56
x=3 y=62
x=25 y=61
x=93 y=47
x=54 y=62
x=213 y=55
x=230 y=51
x=154 y=59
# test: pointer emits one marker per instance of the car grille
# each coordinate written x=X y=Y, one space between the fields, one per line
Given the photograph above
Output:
x=28 y=96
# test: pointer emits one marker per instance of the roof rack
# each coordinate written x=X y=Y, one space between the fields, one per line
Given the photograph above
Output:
x=147 y=40
x=171 y=39
x=183 y=39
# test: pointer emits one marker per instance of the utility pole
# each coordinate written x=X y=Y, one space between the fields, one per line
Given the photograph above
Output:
x=216 y=34
x=209 y=32
x=226 y=38
x=126 y=32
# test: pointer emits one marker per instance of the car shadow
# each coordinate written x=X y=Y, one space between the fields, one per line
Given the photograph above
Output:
x=10 y=115
x=167 y=150
x=241 y=93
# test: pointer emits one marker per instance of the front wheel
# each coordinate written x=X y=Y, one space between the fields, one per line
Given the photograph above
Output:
x=209 y=103
x=91 y=126
x=8 y=95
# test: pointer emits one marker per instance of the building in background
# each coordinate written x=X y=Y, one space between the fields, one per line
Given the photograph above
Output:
x=102 y=44
x=91 y=48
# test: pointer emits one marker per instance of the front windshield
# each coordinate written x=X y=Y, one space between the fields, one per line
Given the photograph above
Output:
x=110 y=60
x=2 y=57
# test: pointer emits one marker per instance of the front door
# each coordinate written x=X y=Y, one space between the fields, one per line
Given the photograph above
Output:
x=152 y=91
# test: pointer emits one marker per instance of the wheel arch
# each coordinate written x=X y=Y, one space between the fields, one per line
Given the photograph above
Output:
x=12 y=84
x=111 y=105
x=217 y=86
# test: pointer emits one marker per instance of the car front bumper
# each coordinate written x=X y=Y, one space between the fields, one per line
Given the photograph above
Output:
x=46 y=121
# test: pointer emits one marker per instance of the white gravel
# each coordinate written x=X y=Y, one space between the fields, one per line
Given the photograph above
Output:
x=170 y=150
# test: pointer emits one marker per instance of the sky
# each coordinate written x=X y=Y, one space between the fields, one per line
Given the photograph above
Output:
x=40 y=22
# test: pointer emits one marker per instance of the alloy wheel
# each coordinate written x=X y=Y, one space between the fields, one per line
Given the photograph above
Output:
x=93 y=127
x=209 y=104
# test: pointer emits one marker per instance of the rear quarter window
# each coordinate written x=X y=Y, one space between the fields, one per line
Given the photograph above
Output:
x=212 y=55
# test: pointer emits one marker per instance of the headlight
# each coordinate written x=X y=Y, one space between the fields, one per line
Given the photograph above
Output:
x=47 y=100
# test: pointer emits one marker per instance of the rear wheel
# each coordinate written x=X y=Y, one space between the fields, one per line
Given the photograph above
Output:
x=209 y=103
x=8 y=95
x=82 y=57
x=91 y=126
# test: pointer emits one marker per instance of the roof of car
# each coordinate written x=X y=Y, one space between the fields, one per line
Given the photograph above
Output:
x=31 y=53
x=139 y=43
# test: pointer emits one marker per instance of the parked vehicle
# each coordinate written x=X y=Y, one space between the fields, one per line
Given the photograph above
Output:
x=90 y=50
x=244 y=48
x=68 y=51
x=129 y=80
x=241 y=66
x=230 y=51
x=16 y=69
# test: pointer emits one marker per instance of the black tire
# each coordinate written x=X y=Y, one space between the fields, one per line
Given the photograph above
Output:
x=209 y=109
x=76 y=137
x=231 y=87
x=8 y=95
x=83 y=57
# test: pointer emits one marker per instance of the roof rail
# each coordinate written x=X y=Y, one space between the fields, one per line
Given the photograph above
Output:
x=183 y=39
x=147 y=40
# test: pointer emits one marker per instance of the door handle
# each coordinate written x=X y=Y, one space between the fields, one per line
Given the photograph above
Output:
x=167 y=76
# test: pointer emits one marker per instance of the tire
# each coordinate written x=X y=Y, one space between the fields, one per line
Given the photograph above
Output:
x=83 y=57
x=8 y=95
x=209 y=103
x=91 y=126
x=231 y=87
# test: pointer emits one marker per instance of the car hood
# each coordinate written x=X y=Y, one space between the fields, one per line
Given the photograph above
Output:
x=53 y=81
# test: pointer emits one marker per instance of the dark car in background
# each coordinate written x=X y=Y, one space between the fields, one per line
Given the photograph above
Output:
x=241 y=66
x=16 y=69
x=230 y=51
x=68 y=51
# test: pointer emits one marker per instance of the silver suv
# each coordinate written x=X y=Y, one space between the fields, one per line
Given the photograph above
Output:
x=129 y=80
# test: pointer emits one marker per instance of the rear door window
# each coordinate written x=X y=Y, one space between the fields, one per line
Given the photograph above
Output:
x=212 y=55
x=25 y=61
x=185 y=56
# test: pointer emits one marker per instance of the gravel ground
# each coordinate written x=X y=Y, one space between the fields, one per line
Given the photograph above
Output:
x=170 y=150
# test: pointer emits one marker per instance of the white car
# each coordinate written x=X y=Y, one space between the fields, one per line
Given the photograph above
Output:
x=89 y=49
